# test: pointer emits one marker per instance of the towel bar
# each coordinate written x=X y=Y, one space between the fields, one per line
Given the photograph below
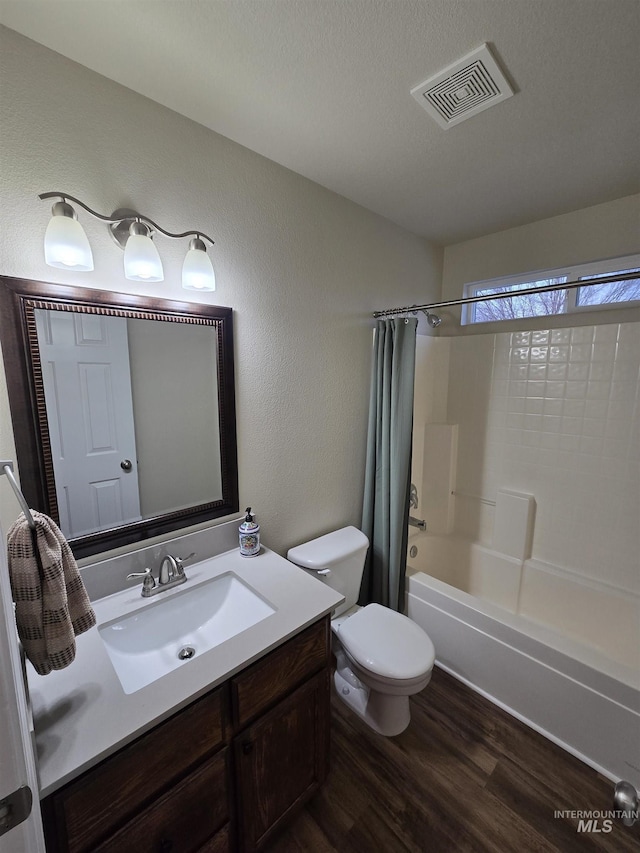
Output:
x=7 y=468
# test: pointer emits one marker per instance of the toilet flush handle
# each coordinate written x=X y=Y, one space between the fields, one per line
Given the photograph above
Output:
x=324 y=572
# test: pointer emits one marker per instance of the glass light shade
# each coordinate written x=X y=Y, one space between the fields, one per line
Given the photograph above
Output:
x=141 y=259
x=197 y=269
x=66 y=245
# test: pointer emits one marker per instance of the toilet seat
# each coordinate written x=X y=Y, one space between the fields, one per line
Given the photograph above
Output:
x=387 y=644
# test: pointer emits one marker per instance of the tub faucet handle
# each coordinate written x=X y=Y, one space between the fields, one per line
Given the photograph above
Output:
x=413 y=497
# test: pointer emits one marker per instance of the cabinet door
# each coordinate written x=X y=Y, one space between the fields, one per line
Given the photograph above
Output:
x=281 y=761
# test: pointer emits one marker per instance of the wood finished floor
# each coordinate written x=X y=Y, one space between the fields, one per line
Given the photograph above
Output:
x=465 y=776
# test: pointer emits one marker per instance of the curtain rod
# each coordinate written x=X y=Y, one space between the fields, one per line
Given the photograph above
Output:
x=546 y=288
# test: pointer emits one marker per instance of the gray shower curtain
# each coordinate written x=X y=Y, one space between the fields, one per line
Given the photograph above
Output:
x=385 y=510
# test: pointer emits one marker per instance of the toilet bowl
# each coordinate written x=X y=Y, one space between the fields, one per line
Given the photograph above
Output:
x=382 y=656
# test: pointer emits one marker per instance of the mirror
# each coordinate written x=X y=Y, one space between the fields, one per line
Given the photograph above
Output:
x=123 y=410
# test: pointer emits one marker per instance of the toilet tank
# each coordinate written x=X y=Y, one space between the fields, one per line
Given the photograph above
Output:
x=342 y=552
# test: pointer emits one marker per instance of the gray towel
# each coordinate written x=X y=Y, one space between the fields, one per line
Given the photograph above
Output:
x=52 y=605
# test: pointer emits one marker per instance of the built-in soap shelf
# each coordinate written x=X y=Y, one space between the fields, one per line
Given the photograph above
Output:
x=513 y=523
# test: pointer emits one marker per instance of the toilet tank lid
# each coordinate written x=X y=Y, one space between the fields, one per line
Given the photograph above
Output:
x=329 y=549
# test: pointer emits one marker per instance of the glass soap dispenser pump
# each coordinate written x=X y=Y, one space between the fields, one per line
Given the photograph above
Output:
x=249 y=532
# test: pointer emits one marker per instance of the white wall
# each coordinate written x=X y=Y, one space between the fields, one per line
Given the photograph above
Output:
x=302 y=267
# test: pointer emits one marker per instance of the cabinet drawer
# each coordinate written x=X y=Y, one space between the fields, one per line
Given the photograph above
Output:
x=182 y=820
x=264 y=683
x=104 y=798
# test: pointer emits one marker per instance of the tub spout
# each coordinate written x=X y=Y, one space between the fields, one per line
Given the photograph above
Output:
x=420 y=523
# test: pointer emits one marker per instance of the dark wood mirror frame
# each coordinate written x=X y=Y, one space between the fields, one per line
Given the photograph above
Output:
x=18 y=300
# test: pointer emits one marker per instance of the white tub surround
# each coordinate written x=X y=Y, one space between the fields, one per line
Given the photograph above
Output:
x=600 y=621
x=82 y=714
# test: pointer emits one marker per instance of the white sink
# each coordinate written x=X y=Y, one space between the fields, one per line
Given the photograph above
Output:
x=166 y=633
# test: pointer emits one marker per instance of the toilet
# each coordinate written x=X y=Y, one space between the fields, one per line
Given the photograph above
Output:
x=382 y=656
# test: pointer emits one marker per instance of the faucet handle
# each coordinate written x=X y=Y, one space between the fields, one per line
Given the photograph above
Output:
x=144 y=574
x=149 y=581
x=180 y=561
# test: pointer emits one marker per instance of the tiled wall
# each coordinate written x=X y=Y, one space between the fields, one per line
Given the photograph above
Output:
x=554 y=414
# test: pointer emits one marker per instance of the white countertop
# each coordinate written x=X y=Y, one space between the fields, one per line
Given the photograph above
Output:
x=82 y=714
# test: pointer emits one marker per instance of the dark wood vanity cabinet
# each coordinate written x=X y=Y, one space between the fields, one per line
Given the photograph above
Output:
x=223 y=774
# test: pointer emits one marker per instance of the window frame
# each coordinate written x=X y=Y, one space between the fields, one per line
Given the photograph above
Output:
x=569 y=273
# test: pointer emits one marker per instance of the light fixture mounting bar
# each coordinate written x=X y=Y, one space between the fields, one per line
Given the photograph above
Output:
x=110 y=220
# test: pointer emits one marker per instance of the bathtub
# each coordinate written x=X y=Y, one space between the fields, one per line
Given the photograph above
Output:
x=556 y=650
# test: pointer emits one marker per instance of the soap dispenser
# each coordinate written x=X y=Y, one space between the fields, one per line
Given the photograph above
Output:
x=249 y=535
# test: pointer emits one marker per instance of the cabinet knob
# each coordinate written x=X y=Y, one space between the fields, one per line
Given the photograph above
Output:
x=247 y=747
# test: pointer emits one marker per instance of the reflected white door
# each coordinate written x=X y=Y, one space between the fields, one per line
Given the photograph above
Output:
x=87 y=386
x=17 y=761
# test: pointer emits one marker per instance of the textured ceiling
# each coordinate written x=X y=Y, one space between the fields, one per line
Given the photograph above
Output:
x=323 y=87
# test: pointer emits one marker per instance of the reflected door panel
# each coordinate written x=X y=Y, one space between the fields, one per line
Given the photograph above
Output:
x=85 y=363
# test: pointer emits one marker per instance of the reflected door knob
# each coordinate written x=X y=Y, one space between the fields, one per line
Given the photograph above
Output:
x=126 y=465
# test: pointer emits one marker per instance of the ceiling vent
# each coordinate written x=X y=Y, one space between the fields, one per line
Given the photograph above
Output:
x=463 y=89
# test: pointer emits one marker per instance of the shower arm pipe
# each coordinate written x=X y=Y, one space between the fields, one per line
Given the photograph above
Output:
x=110 y=220
x=526 y=291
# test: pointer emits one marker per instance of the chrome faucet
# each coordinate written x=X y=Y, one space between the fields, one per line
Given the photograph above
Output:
x=420 y=523
x=169 y=569
x=171 y=574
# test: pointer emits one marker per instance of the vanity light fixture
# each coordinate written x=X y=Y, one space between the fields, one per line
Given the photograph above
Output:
x=141 y=259
x=66 y=245
x=197 y=269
